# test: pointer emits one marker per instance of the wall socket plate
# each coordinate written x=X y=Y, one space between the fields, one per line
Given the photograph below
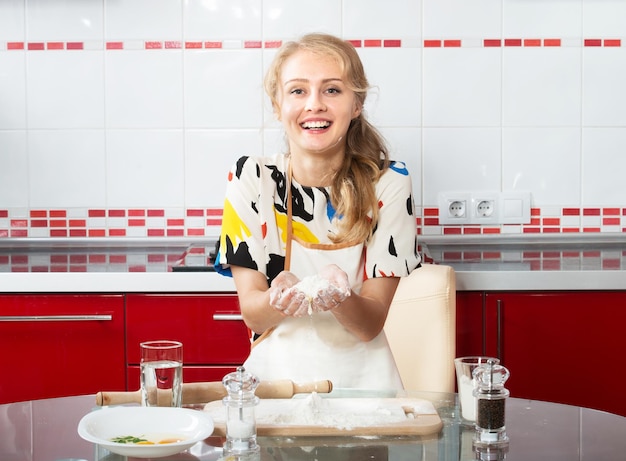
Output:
x=484 y=207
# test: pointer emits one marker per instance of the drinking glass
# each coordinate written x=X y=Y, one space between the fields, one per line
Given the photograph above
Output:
x=161 y=373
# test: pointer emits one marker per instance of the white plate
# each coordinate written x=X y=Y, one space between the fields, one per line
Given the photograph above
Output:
x=100 y=426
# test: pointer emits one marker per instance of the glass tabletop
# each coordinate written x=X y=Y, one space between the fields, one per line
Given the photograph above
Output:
x=45 y=430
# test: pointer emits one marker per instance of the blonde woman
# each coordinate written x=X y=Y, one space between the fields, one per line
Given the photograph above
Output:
x=316 y=238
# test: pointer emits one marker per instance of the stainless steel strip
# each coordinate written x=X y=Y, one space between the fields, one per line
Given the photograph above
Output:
x=227 y=317
x=54 y=318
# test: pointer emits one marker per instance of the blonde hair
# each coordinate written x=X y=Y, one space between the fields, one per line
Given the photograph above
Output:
x=353 y=192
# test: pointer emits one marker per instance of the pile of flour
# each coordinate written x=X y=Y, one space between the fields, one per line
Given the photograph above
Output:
x=342 y=414
x=311 y=286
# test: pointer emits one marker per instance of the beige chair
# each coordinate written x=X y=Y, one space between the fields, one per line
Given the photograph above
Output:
x=421 y=328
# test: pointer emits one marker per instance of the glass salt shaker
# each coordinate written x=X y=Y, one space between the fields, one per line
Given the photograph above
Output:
x=240 y=419
x=490 y=404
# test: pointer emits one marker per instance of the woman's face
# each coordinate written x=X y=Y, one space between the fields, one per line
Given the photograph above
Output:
x=315 y=105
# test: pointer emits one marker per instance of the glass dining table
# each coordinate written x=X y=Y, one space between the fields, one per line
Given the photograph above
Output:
x=46 y=430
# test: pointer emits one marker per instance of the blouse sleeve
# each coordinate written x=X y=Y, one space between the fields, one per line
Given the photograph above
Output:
x=392 y=250
x=241 y=239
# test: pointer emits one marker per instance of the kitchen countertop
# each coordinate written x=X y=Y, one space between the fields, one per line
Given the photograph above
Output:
x=482 y=263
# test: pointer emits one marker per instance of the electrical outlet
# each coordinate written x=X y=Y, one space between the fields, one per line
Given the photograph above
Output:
x=454 y=207
x=485 y=208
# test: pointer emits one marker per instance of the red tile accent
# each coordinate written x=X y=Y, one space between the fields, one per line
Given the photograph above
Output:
x=173 y=45
x=392 y=43
x=552 y=265
x=156 y=213
x=78 y=268
x=193 y=45
x=195 y=212
x=471 y=230
x=552 y=42
x=611 y=221
x=535 y=211
x=175 y=222
x=117 y=213
x=273 y=43
x=611 y=264
x=512 y=42
x=4 y=233
x=429 y=221
x=175 y=232
x=451 y=231
x=492 y=42
x=19 y=259
x=75 y=45
x=452 y=43
x=532 y=42
x=253 y=44
x=591 y=229
x=96 y=213
x=55 y=46
x=136 y=222
x=15 y=46
x=19 y=223
x=530 y=230
x=213 y=45
x=156 y=232
x=571 y=212
x=491 y=255
x=612 y=42
x=432 y=43
x=117 y=259
x=97 y=259
x=38 y=223
x=610 y=211
x=38 y=214
x=136 y=213
x=58 y=213
x=593 y=42
x=551 y=221
x=97 y=233
x=491 y=230
x=117 y=232
x=4 y=260
x=591 y=211
x=4 y=213
x=156 y=258
x=551 y=230
x=115 y=46
x=372 y=43
x=37 y=46
x=213 y=222
x=214 y=212
x=78 y=259
x=195 y=232
x=58 y=232
x=356 y=43
x=431 y=211
x=19 y=233
x=153 y=45
x=570 y=230
x=138 y=268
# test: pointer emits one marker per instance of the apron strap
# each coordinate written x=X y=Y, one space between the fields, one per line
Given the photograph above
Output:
x=289 y=222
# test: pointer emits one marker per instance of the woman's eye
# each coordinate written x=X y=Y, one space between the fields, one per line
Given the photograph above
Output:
x=297 y=91
x=334 y=90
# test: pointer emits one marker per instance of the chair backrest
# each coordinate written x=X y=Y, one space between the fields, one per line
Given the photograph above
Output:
x=421 y=328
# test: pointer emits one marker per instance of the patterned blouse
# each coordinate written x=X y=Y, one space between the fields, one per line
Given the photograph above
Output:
x=254 y=222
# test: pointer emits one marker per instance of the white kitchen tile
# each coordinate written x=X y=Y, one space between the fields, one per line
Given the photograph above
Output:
x=462 y=87
x=284 y=19
x=395 y=96
x=68 y=20
x=144 y=20
x=222 y=19
x=14 y=172
x=541 y=87
x=603 y=164
x=540 y=19
x=544 y=161
x=65 y=89
x=223 y=89
x=66 y=168
x=209 y=155
x=405 y=145
x=604 y=98
x=13 y=90
x=144 y=89
x=462 y=19
x=12 y=13
x=603 y=19
x=396 y=19
x=274 y=142
x=145 y=168
x=460 y=159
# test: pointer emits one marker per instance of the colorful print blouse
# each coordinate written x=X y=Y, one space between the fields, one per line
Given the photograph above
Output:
x=254 y=222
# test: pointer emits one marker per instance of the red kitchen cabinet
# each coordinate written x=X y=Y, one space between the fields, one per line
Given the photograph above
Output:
x=215 y=339
x=55 y=345
x=560 y=346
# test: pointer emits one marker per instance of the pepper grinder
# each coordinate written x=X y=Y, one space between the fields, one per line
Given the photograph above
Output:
x=490 y=404
x=240 y=419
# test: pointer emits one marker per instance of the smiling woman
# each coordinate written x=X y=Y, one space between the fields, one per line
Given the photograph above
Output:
x=333 y=206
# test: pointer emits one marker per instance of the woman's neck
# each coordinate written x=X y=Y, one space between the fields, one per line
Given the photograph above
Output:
x=315 y=171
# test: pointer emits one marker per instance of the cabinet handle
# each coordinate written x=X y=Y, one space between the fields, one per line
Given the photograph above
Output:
x=54 y=318
x=220 y=317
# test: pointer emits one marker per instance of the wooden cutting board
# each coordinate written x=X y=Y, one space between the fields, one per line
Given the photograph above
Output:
x=315 y=416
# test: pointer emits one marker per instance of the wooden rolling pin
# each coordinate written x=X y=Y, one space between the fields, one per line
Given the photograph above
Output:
x=211 y=391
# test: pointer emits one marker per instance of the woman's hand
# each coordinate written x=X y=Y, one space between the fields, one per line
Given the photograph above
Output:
x=285 y=297
x=334 y=292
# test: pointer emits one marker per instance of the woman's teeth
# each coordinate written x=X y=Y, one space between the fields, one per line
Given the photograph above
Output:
x=315 y=125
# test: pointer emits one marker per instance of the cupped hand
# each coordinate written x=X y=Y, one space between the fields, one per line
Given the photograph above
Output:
x=285 y=297
x=334 y=292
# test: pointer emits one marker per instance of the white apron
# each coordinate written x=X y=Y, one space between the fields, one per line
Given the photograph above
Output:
x=317 y=347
